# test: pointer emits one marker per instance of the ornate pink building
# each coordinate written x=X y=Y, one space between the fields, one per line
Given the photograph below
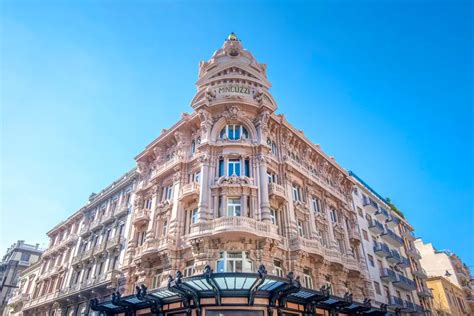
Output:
x=234 y=185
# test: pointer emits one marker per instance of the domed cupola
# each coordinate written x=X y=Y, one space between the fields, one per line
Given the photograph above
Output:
x=233 y=74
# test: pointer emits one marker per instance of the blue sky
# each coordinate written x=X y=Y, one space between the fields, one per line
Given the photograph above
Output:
x=384 y=86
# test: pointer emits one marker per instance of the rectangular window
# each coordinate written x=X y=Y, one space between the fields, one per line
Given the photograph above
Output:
x=157 y=279
x=377 y=288
x=273 y=216
x=233 y=167
x=247 y=167
x=194 y=216
x=300 y=228
x=169 y=192
x=371 y=260
x=307 y=279
x=315 y=204
x=189 y=269
x=25 y=256
x=360 y=212
x=233 y=207
x=165 y=228
x=296 y=193
x=141 y=238
x=366 y=235
x=333 y=215
x=221 y=167
x=278 y=268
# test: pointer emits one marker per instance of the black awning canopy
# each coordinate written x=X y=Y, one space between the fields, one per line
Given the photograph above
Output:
x=190 y=290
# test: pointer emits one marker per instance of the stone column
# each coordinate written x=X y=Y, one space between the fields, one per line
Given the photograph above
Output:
x=346 y=236
x=291 y=224
x=263 y=188
x=151 y=229
x=203 y=205
x=332 y=240
x=312 y=225
x=175 y=206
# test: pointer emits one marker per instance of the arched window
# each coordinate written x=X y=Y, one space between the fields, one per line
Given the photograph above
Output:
x=234 y=132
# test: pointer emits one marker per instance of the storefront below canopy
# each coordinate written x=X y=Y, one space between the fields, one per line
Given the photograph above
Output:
x=232 y=294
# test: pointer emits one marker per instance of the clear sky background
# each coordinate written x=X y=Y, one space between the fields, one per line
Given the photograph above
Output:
x=384 y=86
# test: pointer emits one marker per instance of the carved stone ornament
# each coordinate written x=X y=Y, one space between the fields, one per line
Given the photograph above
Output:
x=206 y=120
x=210 y=94
x=233 y=113
x=142 y=168
x=234 y=180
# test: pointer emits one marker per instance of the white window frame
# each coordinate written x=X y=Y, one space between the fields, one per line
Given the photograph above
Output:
x=194 y=216
x=234 y=207
x=300 y=225
x=169 y=193
x=307 y=281
x=274 y=216
x=229 y=262
x=156 y=282
x=316 y=204
x=235 y=163
x=296 y=193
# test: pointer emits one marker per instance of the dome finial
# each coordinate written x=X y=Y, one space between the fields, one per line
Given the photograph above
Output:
x=232 y=37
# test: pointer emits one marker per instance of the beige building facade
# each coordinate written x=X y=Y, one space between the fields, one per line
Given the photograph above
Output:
x=83 y=258
x=449 y=299
x=453 y=273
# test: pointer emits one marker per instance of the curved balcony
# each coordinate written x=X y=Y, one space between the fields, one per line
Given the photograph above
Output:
x=354 y=235
x=333 y=256
x=312 y=246
x=276 y=191
x=235 y=225
x=154 y=246
x=189 y=191
x=141 y=216
x=352 y=264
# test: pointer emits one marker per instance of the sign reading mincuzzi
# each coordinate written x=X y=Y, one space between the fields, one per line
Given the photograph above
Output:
x=234 y=89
